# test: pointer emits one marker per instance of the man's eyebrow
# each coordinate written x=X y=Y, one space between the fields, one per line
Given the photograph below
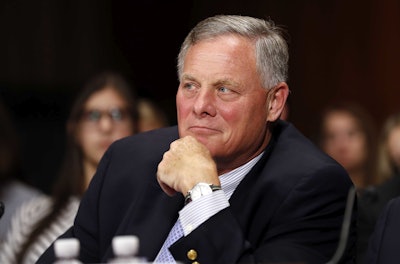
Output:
x=188 y=77
x=220 y=82
x=228 y=82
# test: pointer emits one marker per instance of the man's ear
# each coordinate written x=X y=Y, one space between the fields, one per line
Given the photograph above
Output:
x=276 y=101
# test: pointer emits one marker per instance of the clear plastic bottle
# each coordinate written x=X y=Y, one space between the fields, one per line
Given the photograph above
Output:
x=66 y=251
x=125 y=250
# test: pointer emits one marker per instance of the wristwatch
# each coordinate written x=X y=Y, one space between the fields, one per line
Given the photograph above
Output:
x=199 y=190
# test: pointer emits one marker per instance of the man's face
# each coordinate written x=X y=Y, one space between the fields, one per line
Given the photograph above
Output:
x=220 y=100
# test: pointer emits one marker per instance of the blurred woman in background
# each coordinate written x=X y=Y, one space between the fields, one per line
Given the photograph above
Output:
x=103 y=112
x=347 y=133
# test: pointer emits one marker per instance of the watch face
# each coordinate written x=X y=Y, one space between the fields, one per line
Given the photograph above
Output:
x=199 y=190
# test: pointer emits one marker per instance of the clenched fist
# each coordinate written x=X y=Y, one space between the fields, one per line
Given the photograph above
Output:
x=185 y=164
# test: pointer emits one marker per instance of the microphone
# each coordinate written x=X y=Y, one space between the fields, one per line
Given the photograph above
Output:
x=1 y=209
x=345 y=227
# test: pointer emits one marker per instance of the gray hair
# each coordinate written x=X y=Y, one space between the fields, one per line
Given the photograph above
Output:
x=271 y=48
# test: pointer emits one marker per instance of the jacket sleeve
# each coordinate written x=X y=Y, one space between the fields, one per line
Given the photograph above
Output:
x=304 y=226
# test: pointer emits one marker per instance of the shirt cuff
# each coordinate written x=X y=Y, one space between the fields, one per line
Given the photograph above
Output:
x=197 y=212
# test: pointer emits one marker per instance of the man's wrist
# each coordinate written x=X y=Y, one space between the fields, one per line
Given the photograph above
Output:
x=199 y=190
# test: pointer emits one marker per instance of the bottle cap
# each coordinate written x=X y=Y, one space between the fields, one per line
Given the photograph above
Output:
x=66 y=248
x=125 y=245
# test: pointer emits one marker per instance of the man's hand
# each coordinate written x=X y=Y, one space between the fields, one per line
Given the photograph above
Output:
x=185 y=164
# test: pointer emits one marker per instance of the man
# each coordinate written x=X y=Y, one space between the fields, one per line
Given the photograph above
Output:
x=240 y=185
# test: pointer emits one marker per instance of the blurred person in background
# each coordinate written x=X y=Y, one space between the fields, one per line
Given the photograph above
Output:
x=347 y=133
x=150 y=115
x=104 y=111
x=14 y=190
x=388 y=171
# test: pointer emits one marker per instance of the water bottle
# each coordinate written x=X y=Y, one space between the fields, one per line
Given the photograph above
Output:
x=125 y=250
x=67 y=251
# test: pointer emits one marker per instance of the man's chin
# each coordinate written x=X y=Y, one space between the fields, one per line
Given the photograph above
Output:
x=203 y=140
x=211 y=144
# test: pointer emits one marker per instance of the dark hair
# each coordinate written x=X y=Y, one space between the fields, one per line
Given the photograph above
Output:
x=70 y=181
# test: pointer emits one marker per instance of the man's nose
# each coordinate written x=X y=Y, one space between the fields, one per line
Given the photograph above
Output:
x=205 y=103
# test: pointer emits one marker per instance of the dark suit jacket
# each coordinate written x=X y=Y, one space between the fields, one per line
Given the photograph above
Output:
x=289 y=208
x=383 y=247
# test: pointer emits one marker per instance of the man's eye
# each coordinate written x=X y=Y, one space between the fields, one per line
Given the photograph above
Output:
x=224 y=90
x=188 y=86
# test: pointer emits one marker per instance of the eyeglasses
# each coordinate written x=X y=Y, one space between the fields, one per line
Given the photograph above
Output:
x=116 y=115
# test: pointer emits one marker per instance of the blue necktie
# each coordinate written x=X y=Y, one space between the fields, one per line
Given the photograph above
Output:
x=164 y=256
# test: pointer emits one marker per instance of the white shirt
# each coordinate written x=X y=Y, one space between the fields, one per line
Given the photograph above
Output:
x=197 y=212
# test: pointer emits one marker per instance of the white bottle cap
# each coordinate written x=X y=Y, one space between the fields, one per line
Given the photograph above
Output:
x=66 y=248
x=125 y=245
